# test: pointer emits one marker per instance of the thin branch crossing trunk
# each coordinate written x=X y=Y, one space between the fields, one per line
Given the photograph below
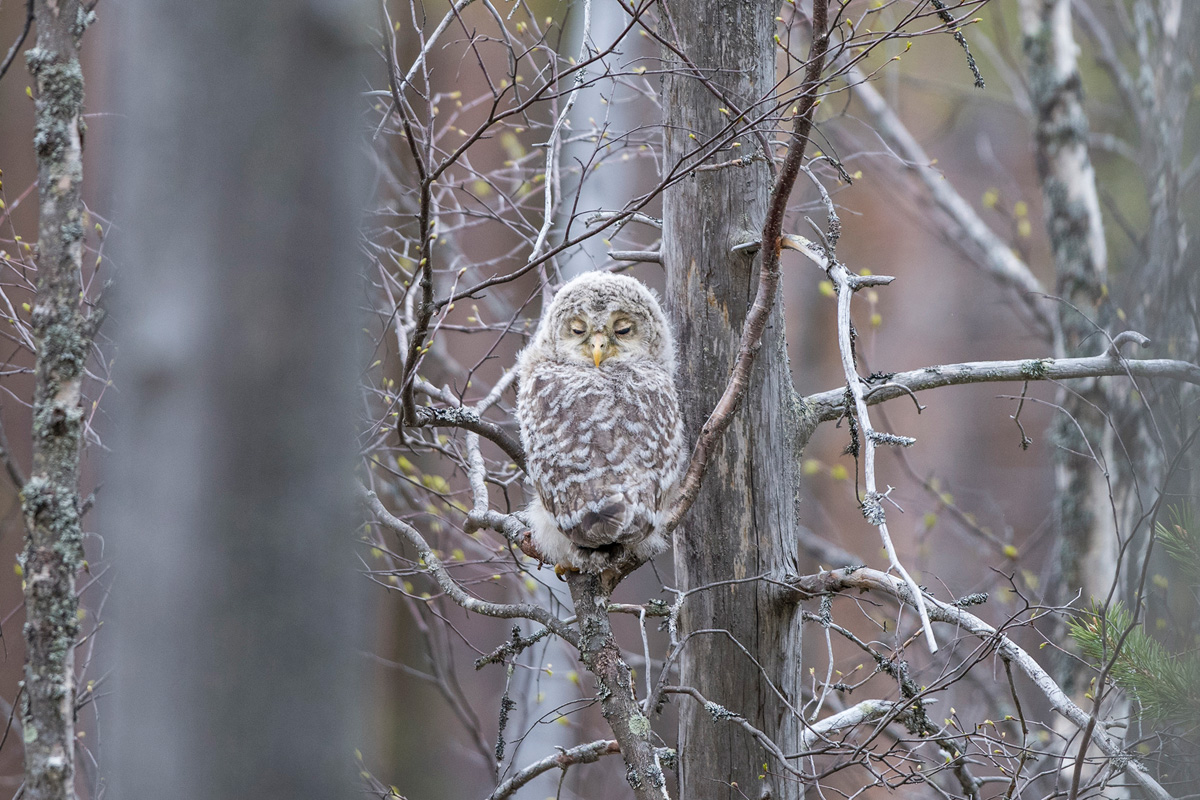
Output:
x=743 y=520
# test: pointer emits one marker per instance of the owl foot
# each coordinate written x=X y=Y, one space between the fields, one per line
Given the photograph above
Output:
x=562 y=571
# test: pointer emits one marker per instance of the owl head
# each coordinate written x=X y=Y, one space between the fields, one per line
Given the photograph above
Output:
x=601 y=320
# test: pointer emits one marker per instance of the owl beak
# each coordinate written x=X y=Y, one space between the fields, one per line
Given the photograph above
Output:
x=600 y=349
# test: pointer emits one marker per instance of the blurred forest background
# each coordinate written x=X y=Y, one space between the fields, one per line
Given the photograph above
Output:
x=978 y=508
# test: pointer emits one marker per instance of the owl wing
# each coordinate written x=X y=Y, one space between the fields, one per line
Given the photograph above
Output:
x=603 y=449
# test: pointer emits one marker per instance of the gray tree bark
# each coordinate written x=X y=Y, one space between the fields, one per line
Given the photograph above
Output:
x=62 y=328
x=1087 y=526
x=743 y=522
x=238 y=610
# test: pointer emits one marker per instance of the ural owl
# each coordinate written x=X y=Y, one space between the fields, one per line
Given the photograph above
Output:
x=600 y=423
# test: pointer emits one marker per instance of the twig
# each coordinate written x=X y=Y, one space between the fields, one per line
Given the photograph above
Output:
x=16 y=48
x=866 y=579
x=583 y=754
x=459 y=5
x=952 y=25
x=872 y=507
x=451 y=587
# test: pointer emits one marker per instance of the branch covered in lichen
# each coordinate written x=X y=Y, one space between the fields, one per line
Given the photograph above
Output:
x=830 y=405
x=62 y=330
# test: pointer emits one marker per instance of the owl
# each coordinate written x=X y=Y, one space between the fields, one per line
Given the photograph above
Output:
x=600 y=423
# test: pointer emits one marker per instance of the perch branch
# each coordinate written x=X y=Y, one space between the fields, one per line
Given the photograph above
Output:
x=599 y=652
x=434 y=565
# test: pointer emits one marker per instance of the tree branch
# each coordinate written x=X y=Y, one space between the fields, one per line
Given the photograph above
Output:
x=599 y=652
x=467 y=419
x=865 y=579
x=830 y=405
x=999 y=260
x=583 y=754
x=451 y=587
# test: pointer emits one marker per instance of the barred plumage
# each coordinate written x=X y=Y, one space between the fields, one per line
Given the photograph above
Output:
x=600 y=423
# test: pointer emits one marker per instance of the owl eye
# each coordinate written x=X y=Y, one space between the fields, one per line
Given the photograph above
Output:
x=623 y=328
x=578 y=329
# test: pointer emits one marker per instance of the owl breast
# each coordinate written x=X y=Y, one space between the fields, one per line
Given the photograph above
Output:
x=605 y=454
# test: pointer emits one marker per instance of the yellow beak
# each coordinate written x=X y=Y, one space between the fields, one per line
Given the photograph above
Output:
x=599 y=348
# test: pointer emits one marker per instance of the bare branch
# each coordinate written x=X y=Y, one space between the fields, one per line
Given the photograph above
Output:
x=846 y=284
x=451 y=587
x=719 y=712
x=999 y=260
x=866 y=579
x=467 y=419
x=647 y=256
x=16 y=48
x=828 y=406
x=583 y=754
x=608 y=216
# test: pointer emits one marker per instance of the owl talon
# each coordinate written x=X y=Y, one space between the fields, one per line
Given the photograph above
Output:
x=562 y=571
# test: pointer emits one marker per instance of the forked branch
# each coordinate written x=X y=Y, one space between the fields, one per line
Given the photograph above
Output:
x=865 y=579
x=830 y=405
x=451 y=587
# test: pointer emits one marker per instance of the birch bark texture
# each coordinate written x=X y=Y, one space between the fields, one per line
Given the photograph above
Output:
x=62 y=328
x=1089 y=539
x=743 y=521
x=239 y=612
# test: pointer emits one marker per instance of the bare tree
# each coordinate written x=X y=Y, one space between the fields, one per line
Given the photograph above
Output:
x=758 y=144
x=470 y=237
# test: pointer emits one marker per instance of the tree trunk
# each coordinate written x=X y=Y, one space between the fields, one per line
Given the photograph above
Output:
x=239 y=611
x=1087 y=529
x=743 y=522
x=62 y=329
